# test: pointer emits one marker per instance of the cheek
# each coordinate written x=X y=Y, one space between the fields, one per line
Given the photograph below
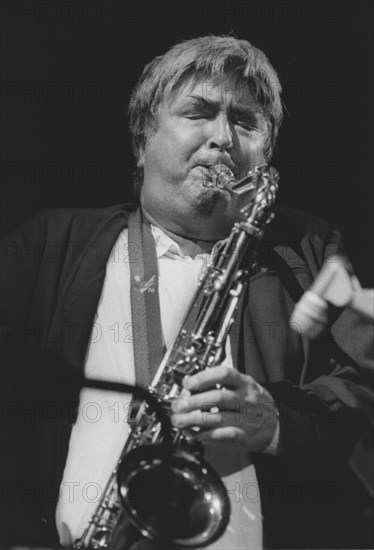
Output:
x=188 y=140
x=252 y=150
x=171 y=146
x=170 y=153
x=159 y=152
x=184 y=137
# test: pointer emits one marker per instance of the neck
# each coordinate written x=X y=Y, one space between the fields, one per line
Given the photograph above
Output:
x=190 y=247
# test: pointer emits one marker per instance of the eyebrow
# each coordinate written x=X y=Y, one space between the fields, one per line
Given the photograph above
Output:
x=238 y=108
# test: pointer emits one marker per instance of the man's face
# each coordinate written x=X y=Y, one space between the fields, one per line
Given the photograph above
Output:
x=204 y=122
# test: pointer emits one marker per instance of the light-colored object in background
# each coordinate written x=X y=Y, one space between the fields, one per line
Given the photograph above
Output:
x=335 y=285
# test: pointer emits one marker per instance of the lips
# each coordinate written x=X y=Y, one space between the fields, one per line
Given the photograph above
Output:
x=216 y=161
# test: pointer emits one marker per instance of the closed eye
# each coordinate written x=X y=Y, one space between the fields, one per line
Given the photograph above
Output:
x=245 y=121
x=196 y=117
x=197 y=113
x=198 y=108
x=246 y=124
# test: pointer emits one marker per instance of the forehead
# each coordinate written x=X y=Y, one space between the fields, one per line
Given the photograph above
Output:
x=228 y=88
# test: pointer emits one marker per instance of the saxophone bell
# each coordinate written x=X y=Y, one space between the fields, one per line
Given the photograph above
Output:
x=173 y=496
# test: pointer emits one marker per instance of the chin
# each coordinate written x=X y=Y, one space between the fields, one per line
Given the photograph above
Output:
x=208 y=202
x=211 y=200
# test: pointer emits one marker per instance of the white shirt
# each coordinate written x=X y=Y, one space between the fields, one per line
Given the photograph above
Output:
x=102 y=415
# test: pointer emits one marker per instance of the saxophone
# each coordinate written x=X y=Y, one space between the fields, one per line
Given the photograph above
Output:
x=161 y=482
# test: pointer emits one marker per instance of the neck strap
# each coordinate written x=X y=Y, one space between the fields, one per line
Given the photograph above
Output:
x=145 y=304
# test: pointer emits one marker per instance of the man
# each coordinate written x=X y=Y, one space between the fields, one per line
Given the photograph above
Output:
x=289 y=453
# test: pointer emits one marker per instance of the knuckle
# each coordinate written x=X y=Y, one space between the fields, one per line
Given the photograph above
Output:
x=233 y=435
x=219 y=418
x=177 y=421
x=226 y=373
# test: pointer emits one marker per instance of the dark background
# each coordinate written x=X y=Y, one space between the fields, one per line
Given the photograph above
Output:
x=68 y=68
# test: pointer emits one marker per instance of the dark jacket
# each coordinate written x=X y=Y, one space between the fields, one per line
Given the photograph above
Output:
x=315 y=495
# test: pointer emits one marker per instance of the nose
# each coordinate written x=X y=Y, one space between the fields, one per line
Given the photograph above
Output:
x=220 y=134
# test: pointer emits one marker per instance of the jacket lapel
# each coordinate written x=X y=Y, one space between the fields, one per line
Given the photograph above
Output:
x=81 y=290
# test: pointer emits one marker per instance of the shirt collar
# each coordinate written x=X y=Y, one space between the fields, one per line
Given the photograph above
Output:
x=166 y=246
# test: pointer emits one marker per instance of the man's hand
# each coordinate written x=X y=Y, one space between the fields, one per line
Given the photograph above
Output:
x=227 y=406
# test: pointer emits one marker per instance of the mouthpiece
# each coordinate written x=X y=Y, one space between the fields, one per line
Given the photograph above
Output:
x=223 y=178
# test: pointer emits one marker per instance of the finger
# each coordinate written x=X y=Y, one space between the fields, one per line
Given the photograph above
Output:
x=233 y=434
x=224 y=400
x=223 y=434
x=212 y=418
x=226 y=377
x=202 y=419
